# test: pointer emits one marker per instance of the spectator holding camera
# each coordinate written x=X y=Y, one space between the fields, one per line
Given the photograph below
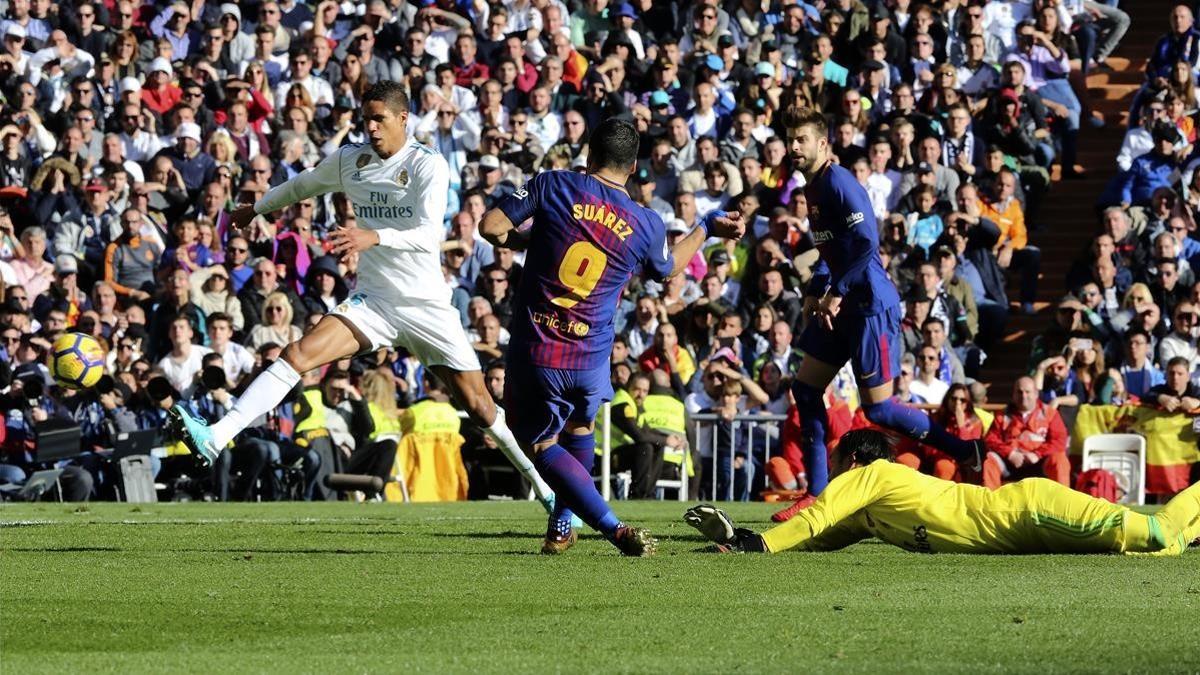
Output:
x=250 y=454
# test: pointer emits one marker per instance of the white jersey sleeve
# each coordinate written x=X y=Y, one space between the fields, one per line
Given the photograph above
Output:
x=323 y=178
x=433 y=173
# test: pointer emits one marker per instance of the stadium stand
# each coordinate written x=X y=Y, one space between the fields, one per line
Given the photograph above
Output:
x=990 y=137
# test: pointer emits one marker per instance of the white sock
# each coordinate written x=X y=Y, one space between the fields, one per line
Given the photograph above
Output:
x=504 y=438
x=260 y=398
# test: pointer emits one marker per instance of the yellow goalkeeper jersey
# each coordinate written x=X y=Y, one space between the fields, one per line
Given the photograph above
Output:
x=921 y=513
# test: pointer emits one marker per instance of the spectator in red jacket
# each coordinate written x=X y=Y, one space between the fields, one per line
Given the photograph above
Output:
x=1028 y=438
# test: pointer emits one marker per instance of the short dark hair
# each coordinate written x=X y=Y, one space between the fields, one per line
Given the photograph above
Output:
x=220 y=316
x=388 y=92
x=1179 y=361
x=796 y=117
x=614 y=145
x=865 y=446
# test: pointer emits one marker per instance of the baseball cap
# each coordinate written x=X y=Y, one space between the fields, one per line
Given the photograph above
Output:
x=160 y=64
x=727 y=354
x=66 y=264
x=188 y=130
x=15 y=30
x=764 y=68
x=130 y=84
x=719 y=257
x=624 y=9
x=714 y=62
x=663 y=62
x=490 y=162
x=769 y=46
x=659 y=98
x=873 y=64
x=924 y=167
x=724 y=41
x=677 y=226
x=643 y=177
x=96 y=185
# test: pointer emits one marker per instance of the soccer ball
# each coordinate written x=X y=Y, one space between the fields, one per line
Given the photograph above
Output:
x=77 y=361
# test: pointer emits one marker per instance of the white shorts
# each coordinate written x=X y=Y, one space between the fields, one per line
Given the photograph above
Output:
x=432 y=333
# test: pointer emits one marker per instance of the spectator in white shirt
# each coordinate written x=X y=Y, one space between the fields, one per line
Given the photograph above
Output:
x=185 y=359
x=300 y=72
x=926 y=383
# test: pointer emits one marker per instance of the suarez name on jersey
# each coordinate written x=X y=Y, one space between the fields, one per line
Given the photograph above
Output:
x=845 y=231
x=586 y=241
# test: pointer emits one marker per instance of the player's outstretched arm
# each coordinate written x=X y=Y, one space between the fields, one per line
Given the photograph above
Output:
x=846 y=495
x=727 y=225
x=323 y=178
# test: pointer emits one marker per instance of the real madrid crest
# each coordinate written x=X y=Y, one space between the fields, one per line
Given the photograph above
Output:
x=402 y=178
x=363 y=160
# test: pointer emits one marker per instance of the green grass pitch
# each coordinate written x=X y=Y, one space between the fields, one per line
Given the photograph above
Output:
x=356 y=588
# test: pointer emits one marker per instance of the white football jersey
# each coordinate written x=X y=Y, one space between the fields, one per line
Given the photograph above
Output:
x=403 y=198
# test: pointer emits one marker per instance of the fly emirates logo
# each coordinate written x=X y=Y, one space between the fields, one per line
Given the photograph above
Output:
x=603 y=215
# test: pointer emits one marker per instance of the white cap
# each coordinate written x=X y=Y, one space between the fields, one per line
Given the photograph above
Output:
x=677 y=226
x=489 y=162
x=15 y=29
x=188 y=130
x=130 y=84
x=161 y=64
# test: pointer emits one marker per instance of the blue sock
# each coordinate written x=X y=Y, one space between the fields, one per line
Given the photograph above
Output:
x=574 y=488
x=917 y=425
x=583 y=449
x=813 y=423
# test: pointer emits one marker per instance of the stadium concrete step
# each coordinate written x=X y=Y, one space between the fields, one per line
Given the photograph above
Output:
x=1068 y=218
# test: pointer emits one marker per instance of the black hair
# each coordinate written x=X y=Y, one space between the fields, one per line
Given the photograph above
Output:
x=614 y=145
x=864 y=446
x=388 y=92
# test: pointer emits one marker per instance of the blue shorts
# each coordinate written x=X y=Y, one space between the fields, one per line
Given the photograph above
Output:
x=539 y=401
x=872 y=344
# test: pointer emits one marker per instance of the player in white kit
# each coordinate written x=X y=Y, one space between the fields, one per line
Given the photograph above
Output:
x=398 y=188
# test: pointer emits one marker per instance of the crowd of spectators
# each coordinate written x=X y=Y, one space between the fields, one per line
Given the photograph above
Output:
x=128 y=131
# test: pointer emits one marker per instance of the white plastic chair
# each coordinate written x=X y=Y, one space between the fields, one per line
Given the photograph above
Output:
x=1122 y=454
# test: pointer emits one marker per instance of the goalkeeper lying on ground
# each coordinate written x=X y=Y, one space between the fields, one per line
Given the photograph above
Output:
x=873 y=497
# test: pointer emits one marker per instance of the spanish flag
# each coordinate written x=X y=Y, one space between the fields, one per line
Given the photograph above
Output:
x=1170 y=442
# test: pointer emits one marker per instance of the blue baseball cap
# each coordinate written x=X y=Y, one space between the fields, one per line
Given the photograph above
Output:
x=764 y=68
x=624 y=9
x=659 y=98
x=714 y=62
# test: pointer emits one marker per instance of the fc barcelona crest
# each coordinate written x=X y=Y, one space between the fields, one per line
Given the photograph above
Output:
x=402 y=178
x=363 y=160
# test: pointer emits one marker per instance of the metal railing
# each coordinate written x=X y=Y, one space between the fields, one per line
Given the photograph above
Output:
x=744 y=428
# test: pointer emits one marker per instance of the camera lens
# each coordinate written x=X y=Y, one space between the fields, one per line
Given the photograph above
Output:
x=104 y=385
x=213 y=377
x=159 y=389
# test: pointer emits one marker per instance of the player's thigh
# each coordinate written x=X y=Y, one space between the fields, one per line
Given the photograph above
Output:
x=825 y=353
x=591 y=390
x=434 y=334
x=536 y=403
x=877 y=352
x=1068 y=521
x=333 y=338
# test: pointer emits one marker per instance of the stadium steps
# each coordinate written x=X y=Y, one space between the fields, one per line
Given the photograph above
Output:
x=1068 y=218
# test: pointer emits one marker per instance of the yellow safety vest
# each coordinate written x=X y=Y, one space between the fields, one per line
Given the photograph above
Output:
x=315 y=424
x=667 y=414
x=617 y=437
x=384 y=423
x=429 y=416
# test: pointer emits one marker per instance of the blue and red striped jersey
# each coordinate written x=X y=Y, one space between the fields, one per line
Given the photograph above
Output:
x=844 y=229
x=587 y=239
